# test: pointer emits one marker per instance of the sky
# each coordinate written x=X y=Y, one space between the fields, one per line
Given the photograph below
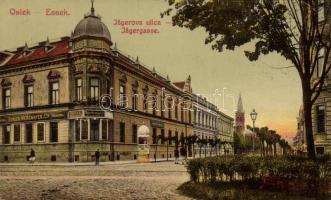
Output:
x=274 y=93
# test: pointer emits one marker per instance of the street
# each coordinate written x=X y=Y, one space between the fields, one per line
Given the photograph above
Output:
x=116 y=181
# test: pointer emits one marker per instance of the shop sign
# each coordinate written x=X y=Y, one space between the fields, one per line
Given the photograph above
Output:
x=94 y=113
x=32 y=117
x=75 y=114
x=157 y=124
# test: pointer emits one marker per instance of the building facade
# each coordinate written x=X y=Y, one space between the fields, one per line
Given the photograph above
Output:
x=204 y=124
x=225 y=126
x=321 y=114
x=65 y=99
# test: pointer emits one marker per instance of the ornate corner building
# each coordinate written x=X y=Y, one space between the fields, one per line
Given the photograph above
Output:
x=53 y=100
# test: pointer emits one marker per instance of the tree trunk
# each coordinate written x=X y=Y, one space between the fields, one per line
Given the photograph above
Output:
x=275 y=150
x=307 y=105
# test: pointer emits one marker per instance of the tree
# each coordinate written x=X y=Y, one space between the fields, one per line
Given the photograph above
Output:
x=291 y=28
x=237 y=144
x=156 y=139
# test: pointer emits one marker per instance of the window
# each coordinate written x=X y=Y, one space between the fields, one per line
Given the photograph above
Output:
x=176 y=110
x=94 y=130
x=170 y=137
x=94 y=87
x=134 y=133
x=182 y=113
x=110 y=131
x=28 y=133
x=6 y=98
x=17 y=133
x=162 y=106
x=320 y=62
x=104 y=127
x=162 y=136
x=320 y=119
x=77 y=130
x=122 y=96
x=53 y=132
x=28 y=96
x=321 y=11
x=54 y=93
x=169 y=109
x=122 y=132
x=6 y=134
x=154 y=104
x=320 y=150
x=79 y=89
x=145 y=103
x=84 y=129
x=134 y=100
x=41 y=132
x=182 y=137
x=189 y=116
x=176 y=136
x=154 y=136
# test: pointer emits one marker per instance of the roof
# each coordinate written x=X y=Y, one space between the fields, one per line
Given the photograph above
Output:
x=37 y=52
x=91 y=25
x=240 y=107
x=180 y=85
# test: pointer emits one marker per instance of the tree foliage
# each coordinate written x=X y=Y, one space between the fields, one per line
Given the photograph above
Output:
x=291 y=28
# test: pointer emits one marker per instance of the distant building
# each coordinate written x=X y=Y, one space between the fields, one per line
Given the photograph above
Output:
x=240 y=117
x=299 y=140
x=225 y=131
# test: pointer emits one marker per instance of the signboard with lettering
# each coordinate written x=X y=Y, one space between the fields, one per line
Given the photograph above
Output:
x=75 y=114
x=94 y=113
x=32 y=117
x=157 y=124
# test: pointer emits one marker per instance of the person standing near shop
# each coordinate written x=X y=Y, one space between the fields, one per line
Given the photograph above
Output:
x=97 y=157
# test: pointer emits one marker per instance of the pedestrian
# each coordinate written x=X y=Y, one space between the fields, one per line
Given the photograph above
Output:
x=32 y=156
x=176 y=156
x=97 y=157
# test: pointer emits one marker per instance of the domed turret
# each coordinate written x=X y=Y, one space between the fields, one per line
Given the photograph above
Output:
x=91 y=27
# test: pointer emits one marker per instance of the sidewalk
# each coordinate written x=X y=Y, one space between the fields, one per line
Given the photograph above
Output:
x=84 y=163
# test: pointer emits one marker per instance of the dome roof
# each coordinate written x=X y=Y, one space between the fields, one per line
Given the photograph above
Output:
x=91 y=25
x=249 y=133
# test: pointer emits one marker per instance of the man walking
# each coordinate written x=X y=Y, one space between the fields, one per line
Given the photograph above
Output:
x=97 y=157
x=176 y=156
x=32 y=156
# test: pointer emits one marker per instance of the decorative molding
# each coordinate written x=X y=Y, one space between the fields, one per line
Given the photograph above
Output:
x=94 y=68
x=135 y=84
x=53 y=74
x=5 y=82
x=123 y=78
x=146 y=88
x=28 y=78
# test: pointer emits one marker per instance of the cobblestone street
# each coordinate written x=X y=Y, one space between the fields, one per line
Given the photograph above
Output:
x=117 y=181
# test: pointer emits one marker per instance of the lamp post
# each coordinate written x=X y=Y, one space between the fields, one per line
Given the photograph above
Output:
x=253 y=117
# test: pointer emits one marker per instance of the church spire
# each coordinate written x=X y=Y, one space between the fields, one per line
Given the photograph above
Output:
x=240 y=107
x=92 y=7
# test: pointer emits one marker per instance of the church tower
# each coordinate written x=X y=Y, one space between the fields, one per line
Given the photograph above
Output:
x=240 y=117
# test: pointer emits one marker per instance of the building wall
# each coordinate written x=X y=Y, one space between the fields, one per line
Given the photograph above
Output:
x=40 y=85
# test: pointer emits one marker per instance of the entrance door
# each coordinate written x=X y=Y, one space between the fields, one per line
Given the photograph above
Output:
x=94 y=131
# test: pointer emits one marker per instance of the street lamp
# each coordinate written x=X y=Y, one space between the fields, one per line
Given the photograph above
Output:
x=253 y=117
